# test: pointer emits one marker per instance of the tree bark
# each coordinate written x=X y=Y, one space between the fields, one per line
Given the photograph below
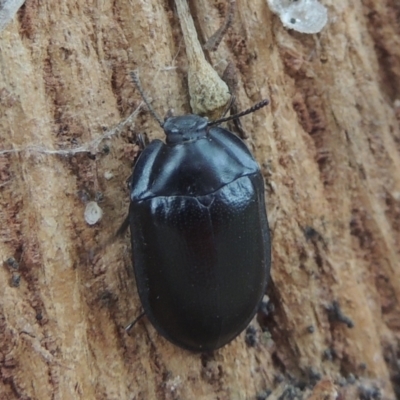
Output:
x=329 y=147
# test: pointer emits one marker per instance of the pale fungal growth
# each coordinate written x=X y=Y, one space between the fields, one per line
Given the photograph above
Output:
x=305 y=16
x=93 y=213
x=8 y=9
x=209 y=94
x=108 y=175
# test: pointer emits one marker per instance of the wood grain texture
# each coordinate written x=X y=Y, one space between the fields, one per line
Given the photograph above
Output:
x=329 y=147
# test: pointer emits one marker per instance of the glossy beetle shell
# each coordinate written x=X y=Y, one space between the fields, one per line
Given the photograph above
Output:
x=199 y=231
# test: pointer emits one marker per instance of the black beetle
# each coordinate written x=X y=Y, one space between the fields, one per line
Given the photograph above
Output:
x=199 y=231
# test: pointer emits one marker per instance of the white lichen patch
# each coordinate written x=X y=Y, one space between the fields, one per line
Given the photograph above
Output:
x=108 y=175
x=305 y=16
x=93 y=213
x=8 y=9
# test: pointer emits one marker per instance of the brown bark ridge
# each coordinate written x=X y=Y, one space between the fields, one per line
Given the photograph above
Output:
x=329 y=147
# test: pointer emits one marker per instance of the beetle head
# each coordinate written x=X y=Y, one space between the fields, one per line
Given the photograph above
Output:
x=185 y=128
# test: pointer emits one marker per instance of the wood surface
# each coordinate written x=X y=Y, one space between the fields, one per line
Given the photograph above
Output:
x=329 y=147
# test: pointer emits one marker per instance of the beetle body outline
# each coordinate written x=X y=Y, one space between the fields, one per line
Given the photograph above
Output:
x=199 y=232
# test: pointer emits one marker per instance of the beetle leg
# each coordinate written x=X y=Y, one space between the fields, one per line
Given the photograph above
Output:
x=133 y=323
x=169 y=114
x=122 y=229
x=141 y=141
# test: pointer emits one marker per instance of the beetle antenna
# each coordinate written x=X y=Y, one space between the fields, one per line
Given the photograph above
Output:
x=250 y=110
x=136 y=81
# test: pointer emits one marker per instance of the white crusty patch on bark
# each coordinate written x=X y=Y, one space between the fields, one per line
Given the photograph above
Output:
x=305 y=16
x=8 y=9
